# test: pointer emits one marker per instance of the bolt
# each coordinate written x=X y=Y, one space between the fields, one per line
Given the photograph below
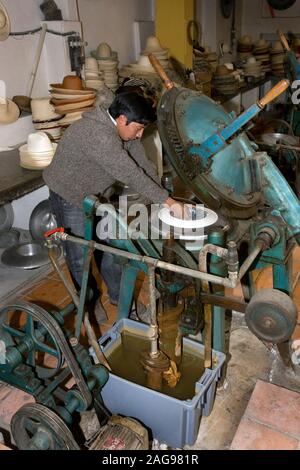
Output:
x=262 y=162
x=73 y=342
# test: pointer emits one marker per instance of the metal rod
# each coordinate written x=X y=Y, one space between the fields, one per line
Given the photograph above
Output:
x=207 y=307
x=37 y=59
x=89 y=330
x=73 y=294
x=250 y=259
x=153 y=319
x=227 y=282
x=84 y=287
x=94 y=343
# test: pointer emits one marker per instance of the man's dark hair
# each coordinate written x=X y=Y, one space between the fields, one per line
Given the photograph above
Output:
x=135 y=107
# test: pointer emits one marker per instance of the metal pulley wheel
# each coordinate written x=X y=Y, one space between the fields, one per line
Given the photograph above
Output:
x=271 y=315
x=35 y=427
x=20 y=323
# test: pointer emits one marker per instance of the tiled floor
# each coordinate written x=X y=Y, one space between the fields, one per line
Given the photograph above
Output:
x=271 y=420
x=249 y=362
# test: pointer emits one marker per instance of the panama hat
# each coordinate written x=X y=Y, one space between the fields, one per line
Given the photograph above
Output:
x=153 y=45
x=71 y=85
x=42 y=110
x=4 y=23
x=38 y=152
x=9 y=111
x=63 y=109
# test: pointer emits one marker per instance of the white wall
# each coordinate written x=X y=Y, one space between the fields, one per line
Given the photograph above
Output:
x=254 y=24
x=215 y=28
x=112 y=21
x=17 y=53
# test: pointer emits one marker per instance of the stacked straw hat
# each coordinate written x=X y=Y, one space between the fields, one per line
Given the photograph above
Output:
x=277 y=59
x=9 y=111
x=93 y=76
x=71 y=99
x=108 y=65
x=225 y=81
x=253 y=68
x=143 y=66
x=38 y=152
x=245 y=48
x=45 y=118
x=262 y=54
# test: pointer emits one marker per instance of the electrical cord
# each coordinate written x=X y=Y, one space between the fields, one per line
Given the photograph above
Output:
x=36 y=30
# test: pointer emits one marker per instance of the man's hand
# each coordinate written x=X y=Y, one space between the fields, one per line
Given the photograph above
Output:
x=177 y=209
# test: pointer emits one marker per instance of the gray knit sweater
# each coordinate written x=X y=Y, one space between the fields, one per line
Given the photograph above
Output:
x=91 y=157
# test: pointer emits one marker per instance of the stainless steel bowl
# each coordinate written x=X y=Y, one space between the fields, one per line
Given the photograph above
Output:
x=41 y=220
x=28 y=255
x=277 y=138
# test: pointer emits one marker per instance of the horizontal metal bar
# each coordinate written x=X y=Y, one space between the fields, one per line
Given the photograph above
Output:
x=226 y=282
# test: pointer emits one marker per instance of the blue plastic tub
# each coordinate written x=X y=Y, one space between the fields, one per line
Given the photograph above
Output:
x=172 y=421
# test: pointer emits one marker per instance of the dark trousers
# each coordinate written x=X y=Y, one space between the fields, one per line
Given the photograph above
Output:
x=72 y=219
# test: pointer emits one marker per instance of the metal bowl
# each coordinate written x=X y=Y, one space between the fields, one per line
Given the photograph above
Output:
x=9 y=238
x=277 y=138
x=6 y=216
x=28 y=255
x=41 y=220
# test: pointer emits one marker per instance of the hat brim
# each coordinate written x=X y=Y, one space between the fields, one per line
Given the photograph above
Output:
x=4 y=32
x=62 y=109
x=70 y=115
x=58 y=88
x=12 y=115
x=58 y=102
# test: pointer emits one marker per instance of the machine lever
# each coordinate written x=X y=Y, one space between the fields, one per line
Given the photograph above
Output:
x=276 y=91
x=218 y=141
x=283 y=40
x=160 y=71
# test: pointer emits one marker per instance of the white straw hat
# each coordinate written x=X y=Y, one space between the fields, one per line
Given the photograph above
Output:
x=43 y=110
x=38 y=152
x=9 y=111
x=4 y=23
x=143 y=65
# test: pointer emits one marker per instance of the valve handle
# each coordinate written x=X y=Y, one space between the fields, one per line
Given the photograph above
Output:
x=284 y=41
x=160 y=71
x=279 y=88
x=55 y=230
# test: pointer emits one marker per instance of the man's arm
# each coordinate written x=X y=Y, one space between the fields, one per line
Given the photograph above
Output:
x=137 y=152
x=110 y=155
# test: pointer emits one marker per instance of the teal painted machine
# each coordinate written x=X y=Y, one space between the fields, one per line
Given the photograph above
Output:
x=259 y=224
x=214 y=157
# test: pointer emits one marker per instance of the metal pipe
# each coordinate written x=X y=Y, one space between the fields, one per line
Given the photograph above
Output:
x=153 y=319
x=250 y=259
x=94 y=343
x=89 y=330
x=213 y=250
x=73 y=294
x=88 y=253
x=227 y=282
x=209 y=248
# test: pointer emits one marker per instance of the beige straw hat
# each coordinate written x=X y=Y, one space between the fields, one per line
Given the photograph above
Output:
x=153 y=45
x=4 y=23
x=9 y=111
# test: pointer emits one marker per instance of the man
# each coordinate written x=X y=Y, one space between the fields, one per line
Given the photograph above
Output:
x=95 y=152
